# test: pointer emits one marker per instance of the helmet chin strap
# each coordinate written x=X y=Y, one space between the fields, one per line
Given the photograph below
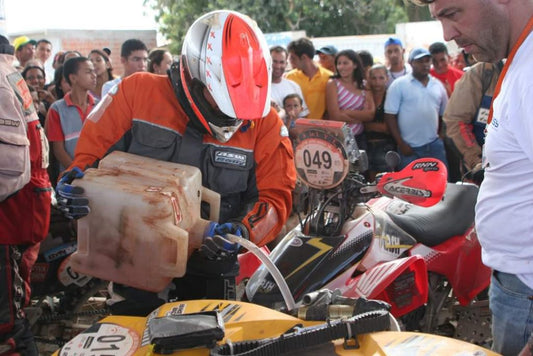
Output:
x=223 y=134
x=177 y=85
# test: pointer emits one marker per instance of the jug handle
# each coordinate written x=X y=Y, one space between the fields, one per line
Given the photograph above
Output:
x=213 y=199
x=178 y=267
x=83 y=237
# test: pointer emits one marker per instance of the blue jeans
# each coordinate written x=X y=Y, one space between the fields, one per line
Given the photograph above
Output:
x=511 y=303
x=433 y=149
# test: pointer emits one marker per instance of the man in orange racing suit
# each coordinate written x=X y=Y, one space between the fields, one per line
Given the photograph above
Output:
x=213 y=112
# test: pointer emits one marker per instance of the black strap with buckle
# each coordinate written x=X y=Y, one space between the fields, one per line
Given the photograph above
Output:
x=301 y=338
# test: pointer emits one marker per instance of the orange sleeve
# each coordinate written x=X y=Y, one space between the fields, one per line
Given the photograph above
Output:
x=53 y=129
x=105 y=125
x=275 y=177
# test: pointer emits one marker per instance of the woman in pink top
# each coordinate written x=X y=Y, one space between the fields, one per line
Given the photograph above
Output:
x=346 y=97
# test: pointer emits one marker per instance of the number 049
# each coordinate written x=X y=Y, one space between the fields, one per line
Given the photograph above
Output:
x=317 y=159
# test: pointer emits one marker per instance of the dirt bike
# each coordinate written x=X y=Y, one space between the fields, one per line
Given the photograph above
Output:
x=419 y=253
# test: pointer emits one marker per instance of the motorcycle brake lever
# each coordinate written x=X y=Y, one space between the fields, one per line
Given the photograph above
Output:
x=368 y=189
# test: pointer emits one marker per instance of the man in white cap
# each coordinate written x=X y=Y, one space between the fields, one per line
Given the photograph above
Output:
x=414 y=107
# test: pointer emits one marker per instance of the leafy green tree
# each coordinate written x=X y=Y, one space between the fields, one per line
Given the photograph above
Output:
x=319 y=18
x=414 y=12
x=175 y=17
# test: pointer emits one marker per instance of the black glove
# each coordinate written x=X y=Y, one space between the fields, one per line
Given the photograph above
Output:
x=71 y=199
x=215 y=246
x=478 y=176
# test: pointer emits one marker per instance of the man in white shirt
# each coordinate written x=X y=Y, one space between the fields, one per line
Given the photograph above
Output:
x=281 y=87
x=43 y=52
x=491 y=30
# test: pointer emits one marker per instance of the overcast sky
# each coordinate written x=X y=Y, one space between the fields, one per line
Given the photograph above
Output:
x=24 y=15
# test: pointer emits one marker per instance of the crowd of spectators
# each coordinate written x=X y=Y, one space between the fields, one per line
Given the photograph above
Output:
x=395 y=105
x=64 y=98
x=383 y=112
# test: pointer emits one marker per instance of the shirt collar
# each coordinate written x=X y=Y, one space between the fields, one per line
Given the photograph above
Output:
x=68 y=99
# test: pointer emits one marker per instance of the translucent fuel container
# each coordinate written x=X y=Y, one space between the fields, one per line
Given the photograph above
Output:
x=144 y=222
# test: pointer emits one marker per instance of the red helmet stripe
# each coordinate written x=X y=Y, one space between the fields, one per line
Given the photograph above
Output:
x=245 y=69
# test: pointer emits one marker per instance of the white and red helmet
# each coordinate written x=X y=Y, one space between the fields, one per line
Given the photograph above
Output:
x=225 y=53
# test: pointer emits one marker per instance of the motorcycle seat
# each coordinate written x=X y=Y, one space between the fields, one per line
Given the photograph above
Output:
x=452 y=216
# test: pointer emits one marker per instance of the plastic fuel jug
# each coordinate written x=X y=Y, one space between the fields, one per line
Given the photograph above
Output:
x=145 y=220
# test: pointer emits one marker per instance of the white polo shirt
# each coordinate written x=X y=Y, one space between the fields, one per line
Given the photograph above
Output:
x=504 y=211
x=417 y=107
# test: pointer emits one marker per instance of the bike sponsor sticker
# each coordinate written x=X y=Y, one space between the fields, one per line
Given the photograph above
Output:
x=102 y=340
x=397 y=187
x=67 y=276
x=426 y=166
x=296 y=242
x=266 y=286
x=177 y=310
x=60 y=251
x=398 y=207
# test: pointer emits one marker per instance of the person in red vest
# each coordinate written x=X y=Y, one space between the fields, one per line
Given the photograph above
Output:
x=25 y=198
x=442 y=68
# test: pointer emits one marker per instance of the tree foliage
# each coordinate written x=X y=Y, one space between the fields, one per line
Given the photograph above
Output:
x=319 y=18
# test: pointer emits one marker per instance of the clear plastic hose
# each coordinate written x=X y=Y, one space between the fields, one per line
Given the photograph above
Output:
x=271 y=267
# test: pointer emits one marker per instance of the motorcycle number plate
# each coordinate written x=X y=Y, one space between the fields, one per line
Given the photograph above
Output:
x=321 y=160
x=102 y=339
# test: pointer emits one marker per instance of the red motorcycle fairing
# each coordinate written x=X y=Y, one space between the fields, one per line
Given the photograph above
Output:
x=446 y=238
x=402 y=283
x=248 y=264
x=459 y=259
x=308 y=262
x=364 y=249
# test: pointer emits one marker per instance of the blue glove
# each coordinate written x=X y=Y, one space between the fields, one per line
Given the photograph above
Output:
x=70 y=198
x=215 y=246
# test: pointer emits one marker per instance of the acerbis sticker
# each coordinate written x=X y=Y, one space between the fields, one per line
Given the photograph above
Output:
x=101 y=340
x=396 y=188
